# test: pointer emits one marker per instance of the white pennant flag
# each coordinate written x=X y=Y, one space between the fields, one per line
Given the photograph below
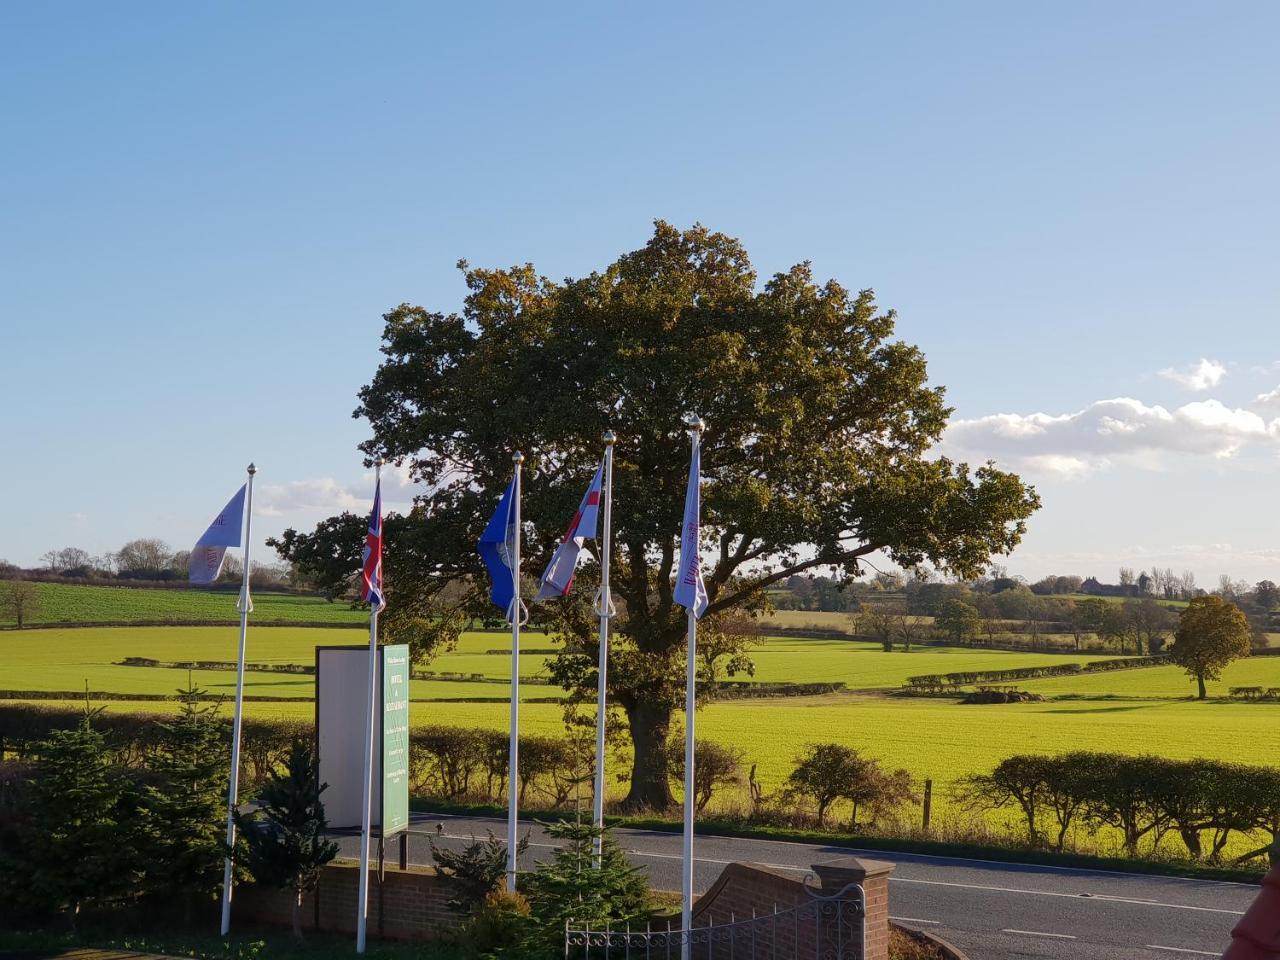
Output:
x=557 y=581
x=691 y=592
x=210 y=550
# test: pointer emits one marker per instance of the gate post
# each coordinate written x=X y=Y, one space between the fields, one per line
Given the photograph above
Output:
x=873 y=877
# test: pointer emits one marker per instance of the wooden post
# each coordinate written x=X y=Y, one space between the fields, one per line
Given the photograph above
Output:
x=928 y=802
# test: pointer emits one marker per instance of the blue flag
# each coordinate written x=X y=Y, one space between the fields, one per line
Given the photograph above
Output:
x=497 y=549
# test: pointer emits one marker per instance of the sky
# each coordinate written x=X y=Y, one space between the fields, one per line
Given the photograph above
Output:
x=1073 y=208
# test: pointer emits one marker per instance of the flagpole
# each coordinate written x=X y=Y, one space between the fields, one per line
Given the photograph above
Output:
x=228 y=866
x=695 y=426
x=514 y=615
x=605 y=610
x=366 y=806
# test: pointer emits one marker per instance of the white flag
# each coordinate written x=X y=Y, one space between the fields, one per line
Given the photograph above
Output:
x=557 y=581
x=691 y=592
x=211 y=549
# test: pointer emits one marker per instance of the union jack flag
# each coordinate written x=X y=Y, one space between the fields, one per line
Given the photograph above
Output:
x=371 y=574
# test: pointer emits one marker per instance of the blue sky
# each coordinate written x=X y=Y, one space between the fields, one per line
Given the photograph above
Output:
x=207 y=209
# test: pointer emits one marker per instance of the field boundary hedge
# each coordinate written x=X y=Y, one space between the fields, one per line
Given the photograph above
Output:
x=937 y=682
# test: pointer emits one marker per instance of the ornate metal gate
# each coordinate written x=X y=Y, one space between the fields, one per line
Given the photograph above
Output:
x=819 y=928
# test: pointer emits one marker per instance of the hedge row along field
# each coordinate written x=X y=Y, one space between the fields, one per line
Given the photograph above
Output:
x=459 y=753
x=932 y=683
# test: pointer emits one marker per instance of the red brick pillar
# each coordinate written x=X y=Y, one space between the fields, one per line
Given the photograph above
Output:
x=873 y=877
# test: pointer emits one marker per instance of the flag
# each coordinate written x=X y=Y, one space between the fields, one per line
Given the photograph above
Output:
x=557 y=581
x=210 y=550
x=371 y=573
x=691 y=592
x=497 y=549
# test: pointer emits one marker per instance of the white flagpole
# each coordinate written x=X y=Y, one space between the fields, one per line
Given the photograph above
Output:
x=244 y=605
x=514 y=614
x=604 y=608
x=691 y=677
x=366 y=806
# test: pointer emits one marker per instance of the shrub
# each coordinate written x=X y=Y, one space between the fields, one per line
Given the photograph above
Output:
x=479 y=869
x=715 y=766
x=829 y=773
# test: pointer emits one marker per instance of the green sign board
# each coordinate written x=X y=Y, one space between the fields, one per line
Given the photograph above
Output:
x=395 y=739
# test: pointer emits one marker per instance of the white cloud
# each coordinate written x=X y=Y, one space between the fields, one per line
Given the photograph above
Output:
x=1072 y=444
x=1269 y=400
x=327 y=495
x=1198 y=377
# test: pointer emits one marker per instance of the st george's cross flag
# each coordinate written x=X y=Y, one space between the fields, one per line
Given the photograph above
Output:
x=691 y=592
x=497 y=549
x=557 y=581
x=371 y=571
x=210 y=550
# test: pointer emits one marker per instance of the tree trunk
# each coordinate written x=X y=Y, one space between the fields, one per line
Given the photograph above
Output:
x=650 y=775
x=297 y=916
x=1200 y=683
x=1191 y=839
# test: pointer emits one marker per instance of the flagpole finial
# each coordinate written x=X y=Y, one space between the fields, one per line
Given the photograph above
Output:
x=609 y=438
x=517 y=458
x=694 y=422
x=251 y=469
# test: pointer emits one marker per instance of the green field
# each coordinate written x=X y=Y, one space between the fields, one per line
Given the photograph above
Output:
x=930 y=738
x=863 y=665
x=65 y=658
x=1164 y=682
x=67 y=603
x=1140 y=710
x=807 y=619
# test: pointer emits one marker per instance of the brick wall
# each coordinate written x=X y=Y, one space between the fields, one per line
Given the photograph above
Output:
x=406 y=905
x=803 y=927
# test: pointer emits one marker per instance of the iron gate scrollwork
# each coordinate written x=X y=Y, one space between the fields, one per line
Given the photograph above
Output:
x=822 y=927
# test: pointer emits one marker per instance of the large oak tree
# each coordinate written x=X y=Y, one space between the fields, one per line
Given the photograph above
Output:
x=817 y=450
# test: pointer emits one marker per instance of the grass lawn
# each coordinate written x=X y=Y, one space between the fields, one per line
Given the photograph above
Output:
x=64 y=658
x=1168 y=682
x=69 y=603
x=863 y=665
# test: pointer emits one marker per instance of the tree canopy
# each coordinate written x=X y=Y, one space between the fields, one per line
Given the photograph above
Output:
x=1211 y=633
x=817 y=452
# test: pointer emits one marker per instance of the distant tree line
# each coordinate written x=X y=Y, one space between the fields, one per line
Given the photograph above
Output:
x=143 y=559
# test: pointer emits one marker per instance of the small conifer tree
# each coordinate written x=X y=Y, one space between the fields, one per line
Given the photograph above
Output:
x=80 y=846
x=570 y=887
x=186 y=802
x=282 y=842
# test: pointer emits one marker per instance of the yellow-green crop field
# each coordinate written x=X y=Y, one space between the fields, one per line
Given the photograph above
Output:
x=930 y=738
x=70 y=603
x=1139 y=710
x=1164 y=682
x=64 y=659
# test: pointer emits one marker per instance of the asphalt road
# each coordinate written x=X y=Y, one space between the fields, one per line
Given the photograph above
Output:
x=991 y=910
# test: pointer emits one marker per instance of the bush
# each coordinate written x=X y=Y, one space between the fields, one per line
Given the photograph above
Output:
x=830 y=773
x=715 y=766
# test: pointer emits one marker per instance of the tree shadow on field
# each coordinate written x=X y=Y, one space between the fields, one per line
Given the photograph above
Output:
x=1109 y=709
